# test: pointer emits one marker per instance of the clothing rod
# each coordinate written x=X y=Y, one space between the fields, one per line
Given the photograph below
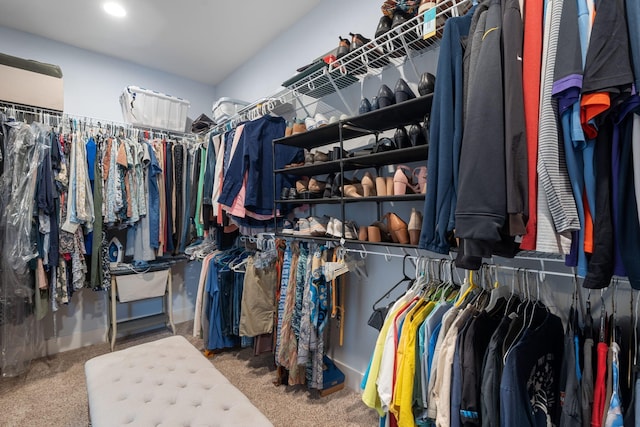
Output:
x=96 y=120
x=29 y=108
x=500 y=267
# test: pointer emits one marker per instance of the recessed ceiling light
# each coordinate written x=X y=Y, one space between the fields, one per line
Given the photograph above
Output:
x=114 y=9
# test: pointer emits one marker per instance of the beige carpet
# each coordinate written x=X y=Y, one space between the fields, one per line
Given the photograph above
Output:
x=53 y=392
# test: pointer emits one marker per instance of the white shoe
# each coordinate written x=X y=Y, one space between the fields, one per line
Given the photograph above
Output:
x=310 y=123
x=303 y=227
x=337 y=228
x=321 y=120
x=331 y=227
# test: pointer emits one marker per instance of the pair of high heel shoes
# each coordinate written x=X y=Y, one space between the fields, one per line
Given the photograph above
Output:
x=306 y=189
x=402 y=33
x=409 y=180
x=404 y=180
x=369 y=186
x=386 y=97
x=354 y=64
x=392 y=228
x=416 y=136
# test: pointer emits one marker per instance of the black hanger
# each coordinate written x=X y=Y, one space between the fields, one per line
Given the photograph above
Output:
x=588 y=319
x=405 y=278
x=602 y=337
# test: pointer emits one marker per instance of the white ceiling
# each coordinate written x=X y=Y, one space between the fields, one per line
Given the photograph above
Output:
x=204 y=40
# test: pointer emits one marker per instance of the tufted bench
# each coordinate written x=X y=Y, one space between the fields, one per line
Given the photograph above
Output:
x=164 y=383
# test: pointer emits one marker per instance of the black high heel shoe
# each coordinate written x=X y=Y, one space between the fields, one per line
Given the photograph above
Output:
x=416 y=135
x=385 y=96
x=403 y=92
x=384 y=26
x=355 y=65
x=401 y=138
x=329 y=187
x=397 y=24
x=365 y=106
x=427 y=84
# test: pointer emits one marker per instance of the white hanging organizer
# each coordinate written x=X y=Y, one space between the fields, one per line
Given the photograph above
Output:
x=148 y=108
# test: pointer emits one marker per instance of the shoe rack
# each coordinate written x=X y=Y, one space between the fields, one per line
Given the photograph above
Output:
x=397 y=46
x=371 y=123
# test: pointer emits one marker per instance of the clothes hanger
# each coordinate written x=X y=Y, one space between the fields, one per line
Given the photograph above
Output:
x=538 y=304
x=498 y=292
x=615 y=335
x=519 y=323
x=602 y=336
x=513 y=300
x=404 y=279
x=466 y=290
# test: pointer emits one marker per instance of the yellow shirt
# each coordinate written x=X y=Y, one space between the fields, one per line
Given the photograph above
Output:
x=403 y=391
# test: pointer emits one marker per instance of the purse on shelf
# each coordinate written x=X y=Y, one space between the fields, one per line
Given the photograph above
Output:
x=384 y=144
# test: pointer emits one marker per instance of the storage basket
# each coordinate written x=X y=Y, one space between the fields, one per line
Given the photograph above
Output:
x=133 y=287
x=225 y=108
x=148 y=108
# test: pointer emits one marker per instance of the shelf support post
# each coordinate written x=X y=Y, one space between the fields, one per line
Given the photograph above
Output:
x=339 y=92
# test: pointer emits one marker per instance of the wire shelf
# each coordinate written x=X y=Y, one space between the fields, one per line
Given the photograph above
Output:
x=305 y=94
x=389 y=49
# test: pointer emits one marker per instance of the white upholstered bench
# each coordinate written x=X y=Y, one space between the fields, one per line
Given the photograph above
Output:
x=164 y=383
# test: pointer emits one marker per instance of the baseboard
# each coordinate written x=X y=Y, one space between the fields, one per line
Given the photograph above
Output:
x=55 y=345
x=61 y=344
x=353 y=377
x=184 y=315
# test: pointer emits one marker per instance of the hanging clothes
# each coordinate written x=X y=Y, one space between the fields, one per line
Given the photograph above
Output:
x=445 y=138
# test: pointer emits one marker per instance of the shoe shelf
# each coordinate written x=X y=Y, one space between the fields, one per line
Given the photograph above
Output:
x=411 y=111
x=400 y=155
x=403 y=155
x=390 y=49
x=372 y=199
x=322 y=168
x=310 y=238
x=307 y=237
x=324 y=135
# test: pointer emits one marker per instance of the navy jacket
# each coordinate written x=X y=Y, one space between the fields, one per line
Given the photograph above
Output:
x=445 y=138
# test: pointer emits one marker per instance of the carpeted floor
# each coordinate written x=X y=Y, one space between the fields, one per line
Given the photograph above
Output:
x=53 y=391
